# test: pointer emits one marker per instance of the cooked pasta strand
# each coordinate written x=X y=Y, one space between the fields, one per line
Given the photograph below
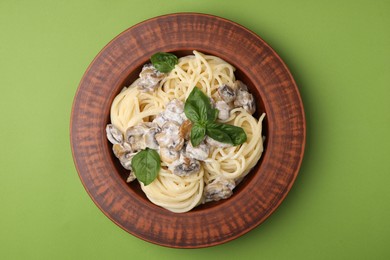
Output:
x=130 y=107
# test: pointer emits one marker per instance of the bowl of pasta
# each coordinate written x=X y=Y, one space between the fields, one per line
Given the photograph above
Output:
x=187 y=130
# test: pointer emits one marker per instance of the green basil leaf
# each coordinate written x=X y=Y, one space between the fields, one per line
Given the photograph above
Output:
x=164 y=62
x=146 y=165
x=219 y=135
x=225 y=133
x=192 y=112
x=198 y=108
x=198 y=133
x=212 y=115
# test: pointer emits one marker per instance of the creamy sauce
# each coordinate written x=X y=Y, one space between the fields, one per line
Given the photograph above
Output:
x=169 y=134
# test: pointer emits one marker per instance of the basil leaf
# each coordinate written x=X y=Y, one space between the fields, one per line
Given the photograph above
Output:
x=212 y=115
x=146 y=165
x=225 y=133
x=198 y=133
x=219 y=135
x=164 y=62
x=198 y=108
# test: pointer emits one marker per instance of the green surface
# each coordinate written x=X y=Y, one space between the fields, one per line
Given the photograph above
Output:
x=339 y=54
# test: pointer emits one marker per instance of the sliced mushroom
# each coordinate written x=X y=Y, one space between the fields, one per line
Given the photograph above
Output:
x=175 y=111
x=226 y=93
x=114 y=135
x=168 y=155
x=131 y=177
x=244 y=99
x=201 y=152
x=150 y=136
x=224 y=110
x=135 y=137
x=175 y=106
x=219 y=188
x=185 y=129
x=186 y=167
x=125 y=160
x=238 y=84
x=169 y=136
x=149 y=78
x=121 y=149
x=211 y=142
x=160 y=120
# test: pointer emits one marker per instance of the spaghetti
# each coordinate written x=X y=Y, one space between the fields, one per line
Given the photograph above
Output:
x=232 y=163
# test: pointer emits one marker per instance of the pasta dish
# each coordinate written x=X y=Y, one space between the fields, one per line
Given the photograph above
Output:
x=188 y=135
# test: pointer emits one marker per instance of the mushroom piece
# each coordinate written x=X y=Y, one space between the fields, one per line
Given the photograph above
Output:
x=175 y=106
x=238 y=84
x=185 y=129
x=169 y=136
x=219 y=188
x=224 y=110
x=201 y=152
x=175 y=111
x=149 y=78
x=121 y=149
x=160 y=120
x=168 y=155
x=135 y=137
x=114 y=135
x=186 y=166
x=226 y=93
x=131 y=177
x=125 y=160
x=244 y=99
x=150 y=136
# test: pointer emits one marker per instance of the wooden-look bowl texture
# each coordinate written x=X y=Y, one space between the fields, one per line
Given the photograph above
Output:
x=269 y=80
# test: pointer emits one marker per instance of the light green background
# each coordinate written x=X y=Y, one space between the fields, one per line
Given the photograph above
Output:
x=339 y=54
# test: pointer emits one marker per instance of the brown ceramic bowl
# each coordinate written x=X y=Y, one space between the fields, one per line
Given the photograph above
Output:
x=269 y=80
